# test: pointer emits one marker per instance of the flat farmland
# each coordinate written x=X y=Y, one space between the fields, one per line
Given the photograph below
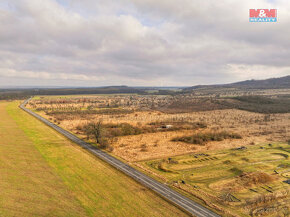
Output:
x=44 y=174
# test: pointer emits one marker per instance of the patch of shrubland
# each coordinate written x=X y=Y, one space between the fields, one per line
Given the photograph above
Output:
x=205 y=137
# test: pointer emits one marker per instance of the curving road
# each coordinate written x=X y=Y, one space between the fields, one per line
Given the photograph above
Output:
x=176 y=198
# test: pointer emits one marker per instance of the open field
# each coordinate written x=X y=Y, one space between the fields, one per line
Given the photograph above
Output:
x=26 y=179
x=75 y=112
x=197 y=147
x=245 y=181
x=43 y=174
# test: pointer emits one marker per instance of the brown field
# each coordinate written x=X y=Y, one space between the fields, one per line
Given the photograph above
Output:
x=140 y=131
x=253 y=127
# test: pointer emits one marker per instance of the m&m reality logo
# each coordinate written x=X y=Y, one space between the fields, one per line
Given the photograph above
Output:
x=263 y=15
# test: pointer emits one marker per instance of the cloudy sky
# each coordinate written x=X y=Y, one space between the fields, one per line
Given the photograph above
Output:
x=140 y=42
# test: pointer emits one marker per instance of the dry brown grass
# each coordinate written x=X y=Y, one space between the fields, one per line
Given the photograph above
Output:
x=244 y=181
x=253 y=127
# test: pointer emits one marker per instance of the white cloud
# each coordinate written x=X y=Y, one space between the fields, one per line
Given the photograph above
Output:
x=10 y=73
x=165 y=42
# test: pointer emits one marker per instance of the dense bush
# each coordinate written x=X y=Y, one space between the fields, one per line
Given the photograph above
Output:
x=110 y=130
x=124 y=129
x=98 y=132
x=203 y=138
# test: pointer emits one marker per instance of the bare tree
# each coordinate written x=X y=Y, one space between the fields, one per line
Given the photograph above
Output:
x=97 y=130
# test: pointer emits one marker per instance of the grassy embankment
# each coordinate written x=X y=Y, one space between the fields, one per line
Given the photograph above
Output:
x=44 y=174
x=245 y=181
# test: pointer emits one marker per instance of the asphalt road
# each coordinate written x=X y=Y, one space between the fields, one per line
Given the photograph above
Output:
x=176 y=198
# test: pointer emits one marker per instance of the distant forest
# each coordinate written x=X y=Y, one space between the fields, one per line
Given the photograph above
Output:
x=10 y=94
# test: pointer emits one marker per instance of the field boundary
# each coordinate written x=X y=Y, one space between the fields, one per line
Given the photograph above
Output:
x=163 y=190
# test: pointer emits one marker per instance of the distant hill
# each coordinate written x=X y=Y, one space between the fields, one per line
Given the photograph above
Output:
x=272 y=83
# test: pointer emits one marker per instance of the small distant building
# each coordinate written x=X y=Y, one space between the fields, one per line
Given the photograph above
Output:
x=166 y=126
x=162 y=127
